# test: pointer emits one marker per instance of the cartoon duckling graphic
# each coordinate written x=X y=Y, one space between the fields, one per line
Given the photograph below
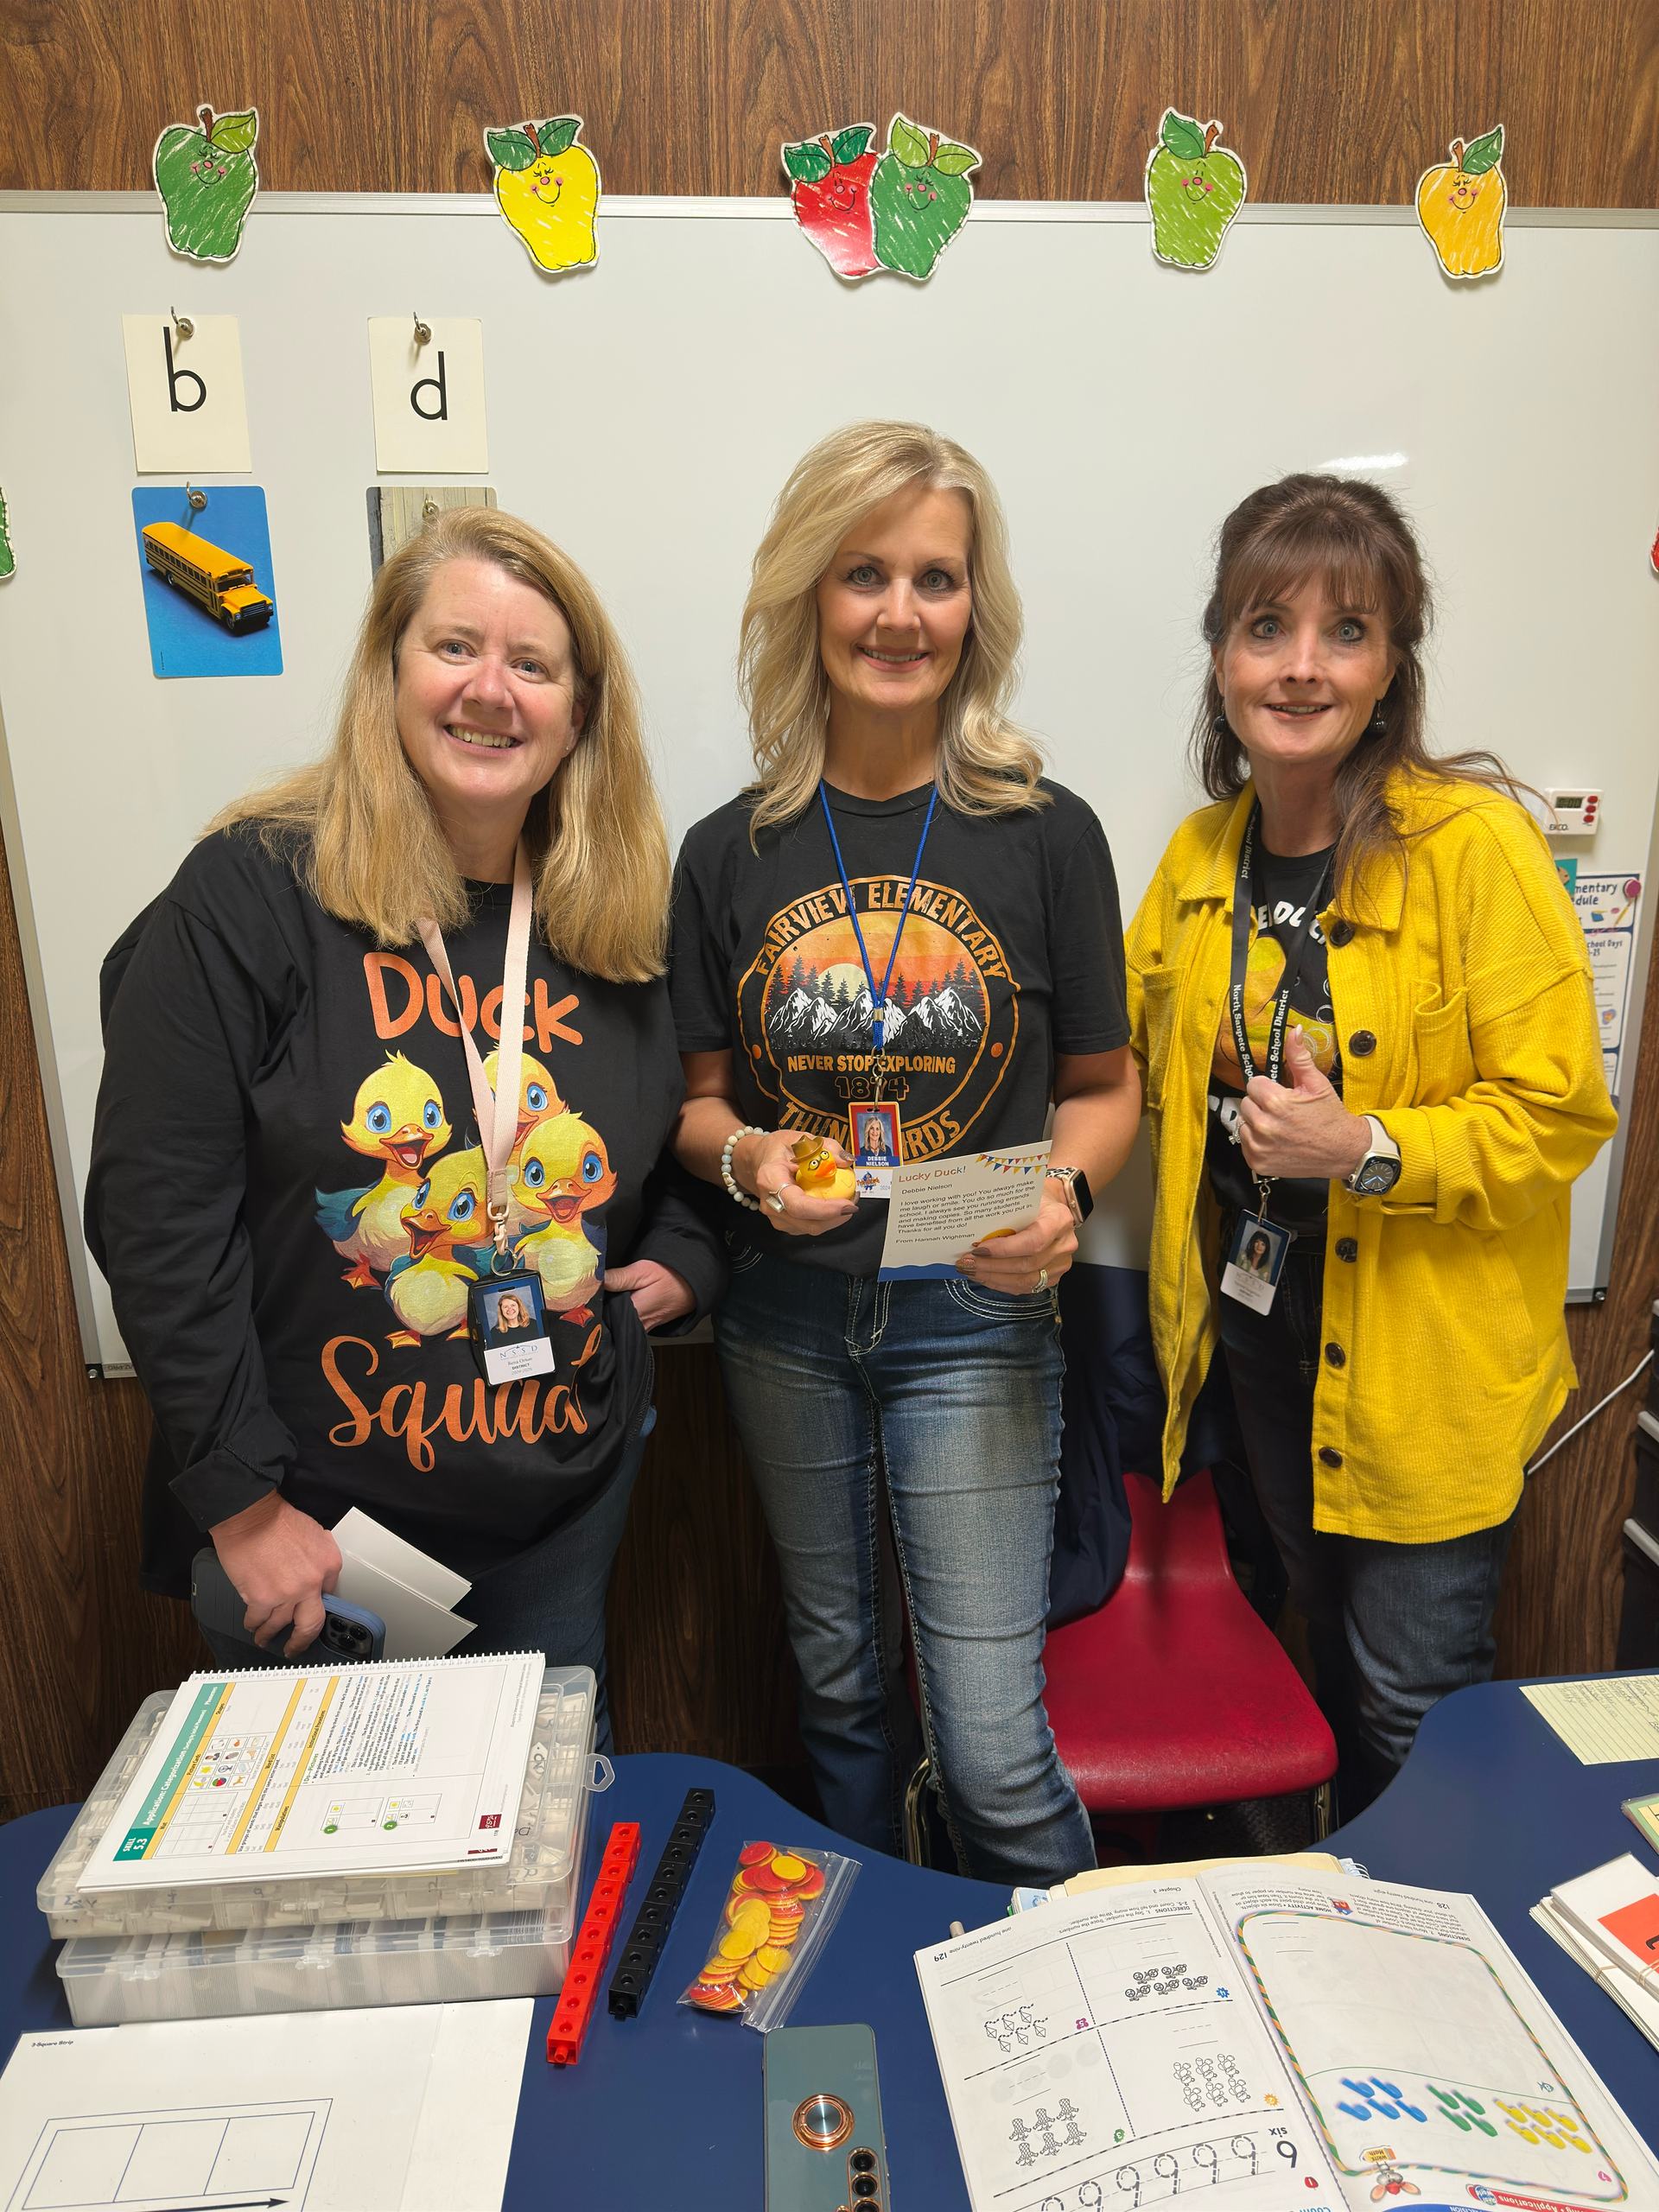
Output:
x=539 y=1097
x=397 y=1117
x=446 y=1240
x=565 y=1172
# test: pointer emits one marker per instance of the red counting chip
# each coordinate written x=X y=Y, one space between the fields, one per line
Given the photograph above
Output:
x=768 y=1883
x=810 y=1885
x=757 y=1854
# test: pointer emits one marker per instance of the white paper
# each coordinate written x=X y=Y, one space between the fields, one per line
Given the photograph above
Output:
x=1602 y=1723
x=1421 y=2046
x=398 y=2108
x=1103 y=2051
x=938 y=1208
x=411 y=1593
x=1608 y=905
x=1637 y=2004
x=355 y=1770
x=189 y=413
x=429 y=399
x=378 y=1547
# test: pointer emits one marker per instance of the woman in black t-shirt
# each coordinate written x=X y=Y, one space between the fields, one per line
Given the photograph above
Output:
x=289 y=1193
x=899 y=908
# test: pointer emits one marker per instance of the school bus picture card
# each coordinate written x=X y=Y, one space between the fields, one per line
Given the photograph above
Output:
x=184 y=387
x=210 y=596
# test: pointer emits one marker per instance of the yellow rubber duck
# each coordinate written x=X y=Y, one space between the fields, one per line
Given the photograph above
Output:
x=817 y=1172
x=565 y=1173
x=397 y=1116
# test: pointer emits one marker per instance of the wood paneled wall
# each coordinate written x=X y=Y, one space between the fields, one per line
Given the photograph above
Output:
x=1328 y=101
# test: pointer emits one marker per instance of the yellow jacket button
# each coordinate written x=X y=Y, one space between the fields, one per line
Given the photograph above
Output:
x=1360 y=1043
x=1347 y=1248
x=1335 y=1356
x=1341 y=932
x=1329 y=1456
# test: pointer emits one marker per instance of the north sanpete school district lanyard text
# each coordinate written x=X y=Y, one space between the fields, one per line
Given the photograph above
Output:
x=497 y=1111
x=1243 y=907
x=878 y=1006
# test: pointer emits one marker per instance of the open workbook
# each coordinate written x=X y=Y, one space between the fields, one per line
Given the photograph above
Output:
x=1273 y=2038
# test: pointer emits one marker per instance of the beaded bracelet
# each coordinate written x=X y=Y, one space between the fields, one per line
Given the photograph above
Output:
x=742 y=1196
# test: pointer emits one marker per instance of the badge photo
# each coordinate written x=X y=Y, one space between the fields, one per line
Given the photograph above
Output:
x=875 y=1144
x=1255 y=1261
x=508 y=1327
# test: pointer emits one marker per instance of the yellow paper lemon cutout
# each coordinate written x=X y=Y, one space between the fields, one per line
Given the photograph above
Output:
x=547 y=186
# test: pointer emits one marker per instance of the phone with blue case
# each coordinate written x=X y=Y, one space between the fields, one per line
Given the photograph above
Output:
x=825 y=2150
x=348 y=1632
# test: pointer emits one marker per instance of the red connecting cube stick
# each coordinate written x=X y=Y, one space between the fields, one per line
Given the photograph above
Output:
x=593 y=1946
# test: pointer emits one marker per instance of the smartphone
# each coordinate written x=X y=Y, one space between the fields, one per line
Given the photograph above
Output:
x=348 y=1632
x=825 y=2150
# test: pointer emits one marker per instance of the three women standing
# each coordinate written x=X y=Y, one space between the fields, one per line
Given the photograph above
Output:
x=901 y=909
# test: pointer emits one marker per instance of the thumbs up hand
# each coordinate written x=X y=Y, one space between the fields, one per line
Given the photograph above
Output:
x=1301 y=1127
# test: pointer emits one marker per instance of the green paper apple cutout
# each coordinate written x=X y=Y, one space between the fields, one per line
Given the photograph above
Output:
x=8 y=561
x=207 y=178
x=1194 y=189
x=919 y=196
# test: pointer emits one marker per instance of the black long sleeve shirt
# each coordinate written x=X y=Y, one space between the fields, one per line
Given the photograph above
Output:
x=286 y=1196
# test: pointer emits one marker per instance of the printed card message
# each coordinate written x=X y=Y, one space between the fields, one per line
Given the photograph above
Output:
x=941 y=1207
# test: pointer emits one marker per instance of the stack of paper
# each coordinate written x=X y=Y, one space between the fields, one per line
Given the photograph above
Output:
x=412 y=1594
x=1607 y=1922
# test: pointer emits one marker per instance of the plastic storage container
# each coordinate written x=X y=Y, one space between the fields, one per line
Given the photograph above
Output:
x=539 y=1879
x=109 y=1979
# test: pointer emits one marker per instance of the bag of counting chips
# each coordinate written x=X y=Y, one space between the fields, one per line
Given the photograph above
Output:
x=777 y=1916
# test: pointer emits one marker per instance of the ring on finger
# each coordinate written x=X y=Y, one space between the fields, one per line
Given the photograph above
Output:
x=775 y=1200
x=1041 y=1282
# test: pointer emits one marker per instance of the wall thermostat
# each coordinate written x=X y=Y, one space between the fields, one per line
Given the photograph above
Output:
x=1573 y=813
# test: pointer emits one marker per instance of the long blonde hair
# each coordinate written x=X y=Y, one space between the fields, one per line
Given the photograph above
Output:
x=361 y=829
x=987 y=765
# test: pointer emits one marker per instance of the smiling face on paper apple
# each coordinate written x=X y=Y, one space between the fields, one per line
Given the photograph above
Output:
x=1301 y=676
x=486 y=699
x=895 y=602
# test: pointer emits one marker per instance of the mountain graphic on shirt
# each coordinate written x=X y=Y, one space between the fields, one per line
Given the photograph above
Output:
x=815 y=1018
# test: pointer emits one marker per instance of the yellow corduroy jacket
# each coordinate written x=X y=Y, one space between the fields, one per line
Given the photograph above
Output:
x=1447 y=1352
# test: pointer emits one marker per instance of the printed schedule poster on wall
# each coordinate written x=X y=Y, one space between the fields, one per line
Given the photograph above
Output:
x=356 y=1769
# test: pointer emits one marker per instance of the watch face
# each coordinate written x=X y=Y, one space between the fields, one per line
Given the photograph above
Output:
x=1377 y=1176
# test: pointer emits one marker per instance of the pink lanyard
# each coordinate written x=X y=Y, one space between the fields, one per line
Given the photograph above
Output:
x=497 y=1111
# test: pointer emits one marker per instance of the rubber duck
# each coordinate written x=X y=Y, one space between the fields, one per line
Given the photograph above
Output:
x=397 y=1116
x=817 y=1171
x=565 y=1174
x=446 y=1249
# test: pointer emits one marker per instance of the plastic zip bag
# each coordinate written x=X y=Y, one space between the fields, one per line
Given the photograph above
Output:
x=778 y=1914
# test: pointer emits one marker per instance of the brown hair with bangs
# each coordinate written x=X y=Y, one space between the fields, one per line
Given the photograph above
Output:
x=1353 y=535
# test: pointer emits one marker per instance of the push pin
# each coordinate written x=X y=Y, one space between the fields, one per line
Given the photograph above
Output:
x=182 y=323
x=422 y=331
x=429 y=510
x=198 y=499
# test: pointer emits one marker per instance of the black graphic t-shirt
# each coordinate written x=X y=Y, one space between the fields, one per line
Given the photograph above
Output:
x=287 y=1195
x=1282 y=888
x=1014 y=951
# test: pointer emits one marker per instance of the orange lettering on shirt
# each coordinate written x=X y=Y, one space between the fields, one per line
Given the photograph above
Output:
x=489 y=1014
x=386 y=1024
x=356 y=1431
x=548 y=1022
x=434 y=997
x=455 y=1425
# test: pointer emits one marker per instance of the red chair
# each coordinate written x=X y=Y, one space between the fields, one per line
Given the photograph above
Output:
x=1176 y=1693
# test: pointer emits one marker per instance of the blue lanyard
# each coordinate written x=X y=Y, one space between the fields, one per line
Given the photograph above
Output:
x=878 y=1006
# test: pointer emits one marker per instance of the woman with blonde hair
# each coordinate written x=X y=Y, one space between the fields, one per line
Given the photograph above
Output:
x=900 y=909
x=1363 y=1010
x=297 y=1222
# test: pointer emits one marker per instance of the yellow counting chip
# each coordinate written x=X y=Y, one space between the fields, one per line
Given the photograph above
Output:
x=771 y=1958
x=740 y=1942
x=788 y=1868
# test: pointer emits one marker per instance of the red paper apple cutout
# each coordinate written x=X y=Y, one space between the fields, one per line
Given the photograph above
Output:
x=829 y=184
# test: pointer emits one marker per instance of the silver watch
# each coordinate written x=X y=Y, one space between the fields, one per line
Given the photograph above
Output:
x=1379 y=1170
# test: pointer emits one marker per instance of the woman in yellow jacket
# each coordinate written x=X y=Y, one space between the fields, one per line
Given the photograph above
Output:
x=1363 y=1012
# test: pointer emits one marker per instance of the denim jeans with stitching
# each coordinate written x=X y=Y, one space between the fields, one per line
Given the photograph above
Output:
x=1392 y=1627
x=905 y=1438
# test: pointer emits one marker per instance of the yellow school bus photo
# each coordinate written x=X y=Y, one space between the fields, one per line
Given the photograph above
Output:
x=219 y=582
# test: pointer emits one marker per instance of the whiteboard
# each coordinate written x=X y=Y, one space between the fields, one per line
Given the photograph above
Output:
x=646 y=412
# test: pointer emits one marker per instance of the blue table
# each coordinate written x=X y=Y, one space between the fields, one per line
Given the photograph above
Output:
x=666 y=2109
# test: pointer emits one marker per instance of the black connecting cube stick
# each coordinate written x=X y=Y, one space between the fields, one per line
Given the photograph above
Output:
x=655 y=1917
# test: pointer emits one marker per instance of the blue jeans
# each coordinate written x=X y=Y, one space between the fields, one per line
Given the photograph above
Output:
x=550 y=1598
x=1392 y=1627
x=927 y=1413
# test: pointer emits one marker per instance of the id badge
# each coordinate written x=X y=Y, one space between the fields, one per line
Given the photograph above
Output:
x=1256 y=1260
x=508 y=1327
x=873 y=1138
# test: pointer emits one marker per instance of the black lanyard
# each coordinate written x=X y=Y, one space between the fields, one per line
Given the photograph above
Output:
x=1243 y=906
x=878 y=1006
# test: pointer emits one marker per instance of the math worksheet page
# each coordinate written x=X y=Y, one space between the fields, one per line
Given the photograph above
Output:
x=332 y=1769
